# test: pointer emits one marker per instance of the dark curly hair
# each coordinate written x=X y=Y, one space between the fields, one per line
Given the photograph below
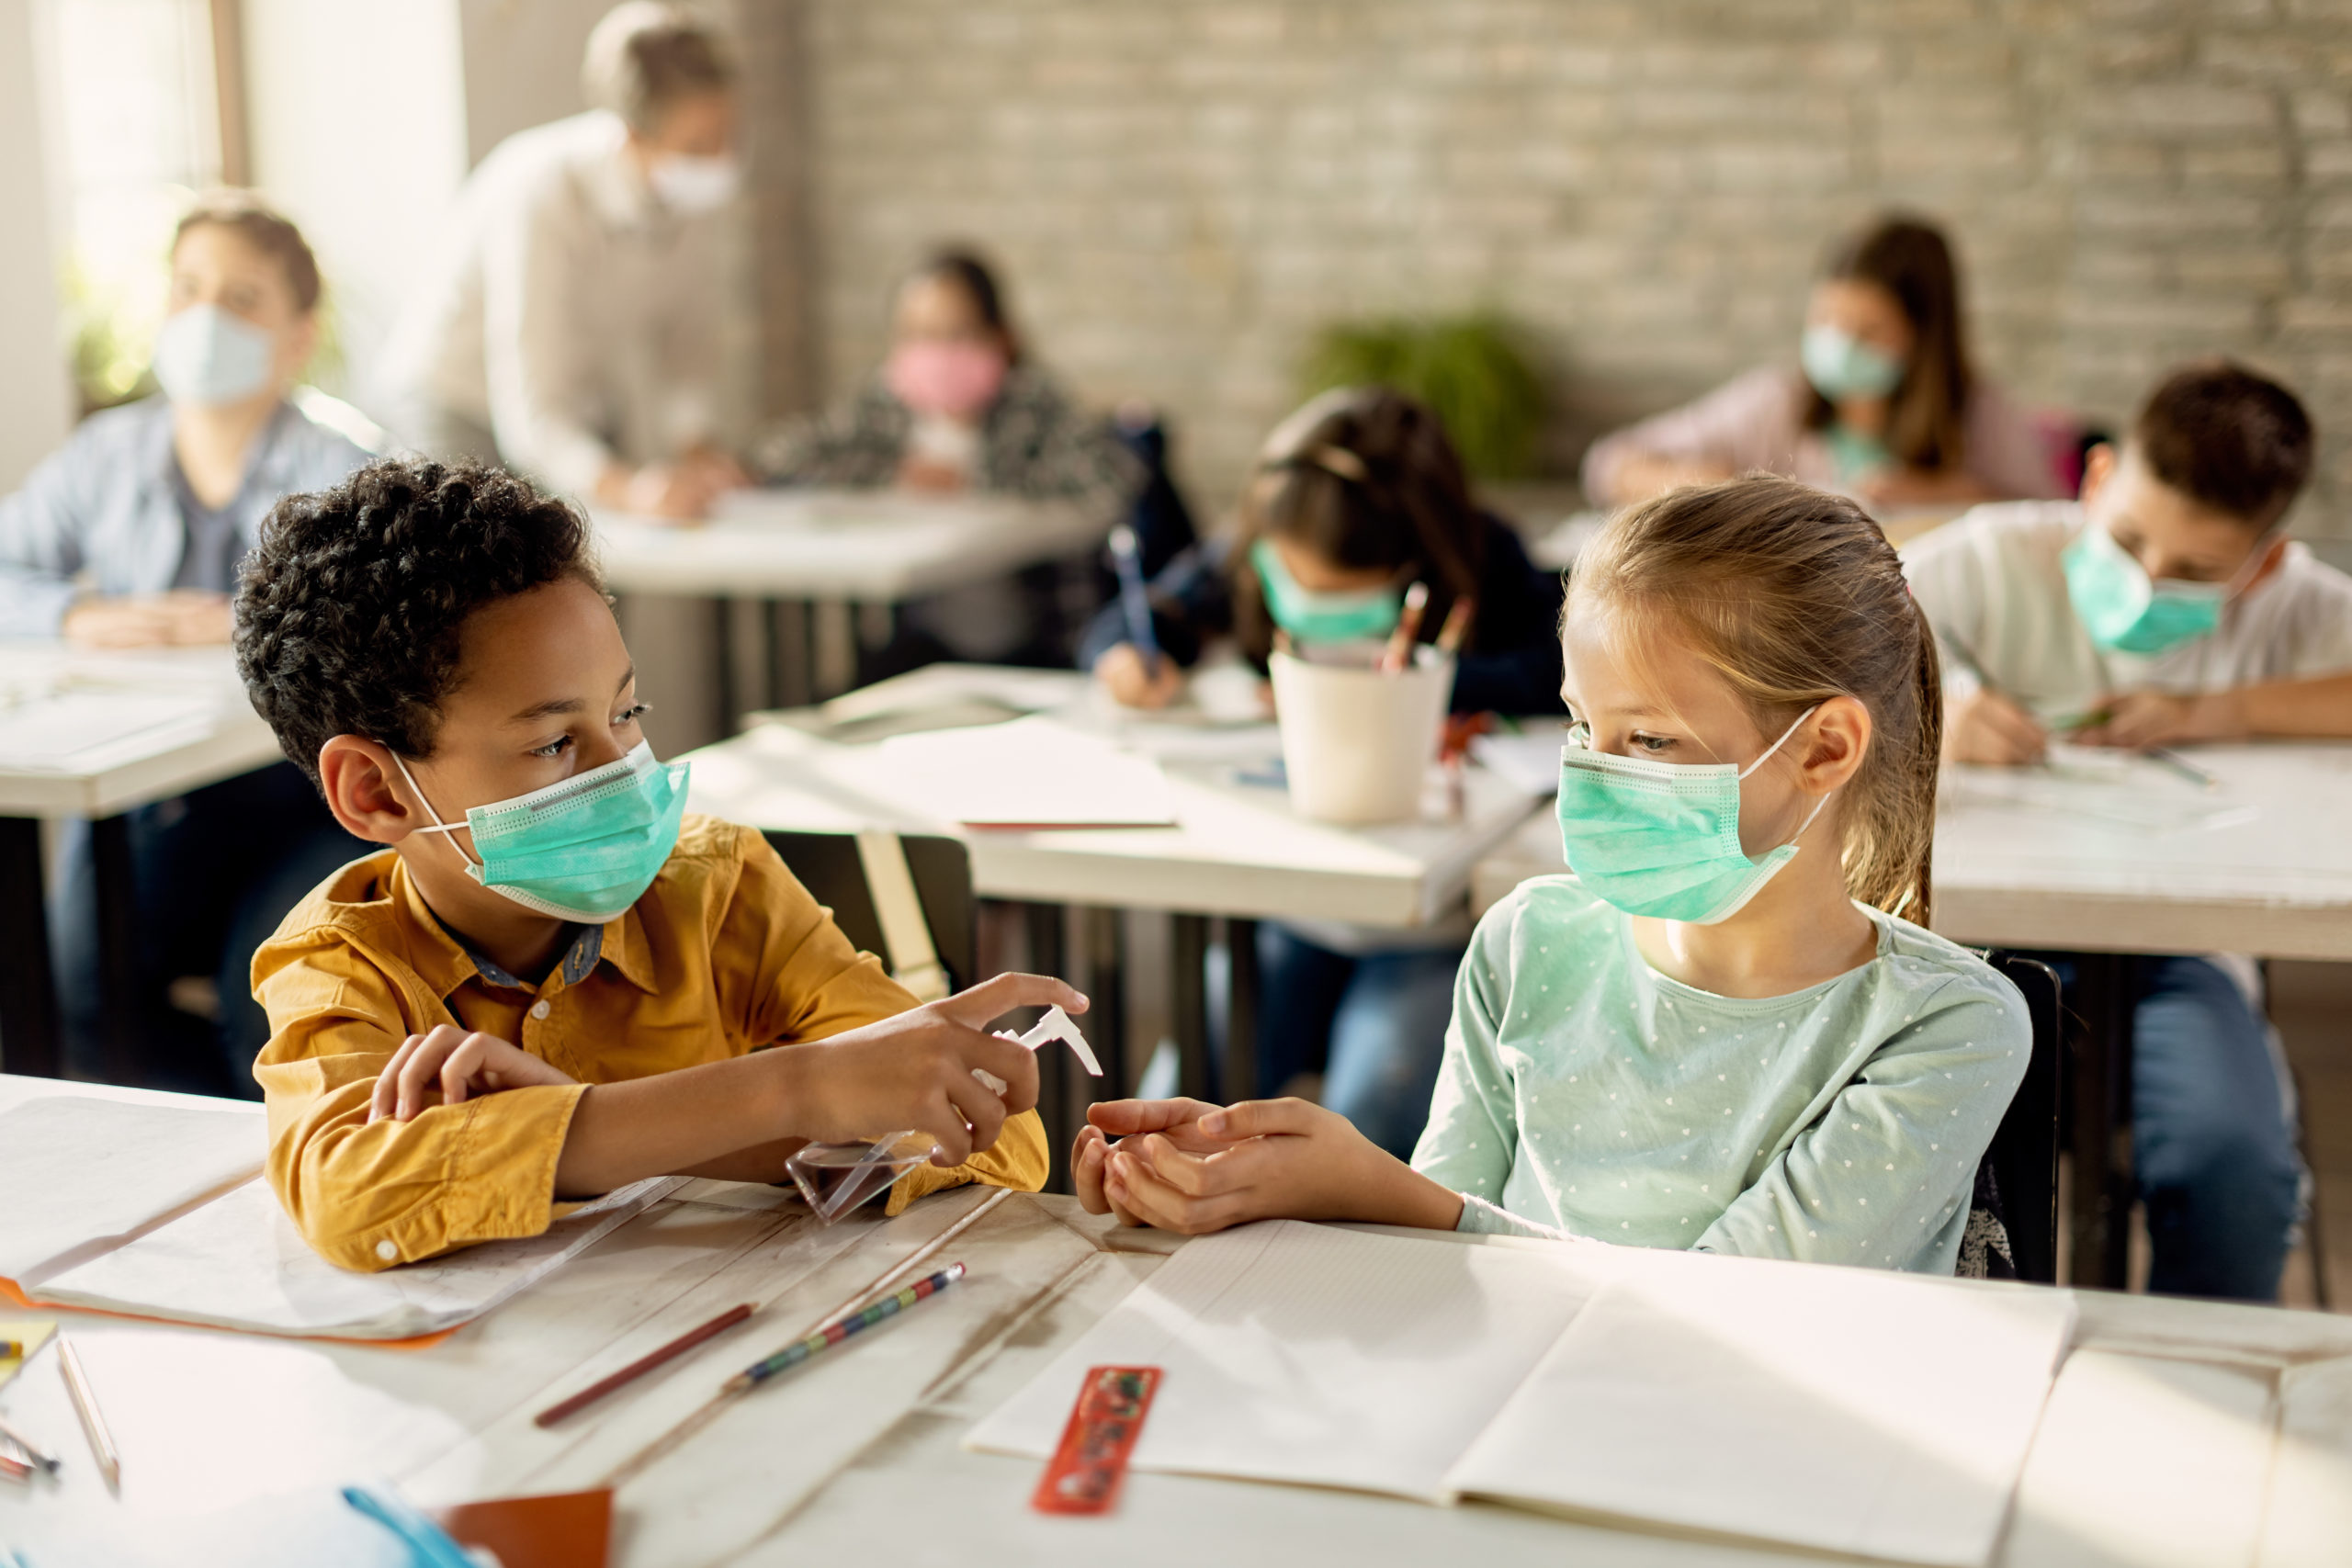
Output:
x=350 y=608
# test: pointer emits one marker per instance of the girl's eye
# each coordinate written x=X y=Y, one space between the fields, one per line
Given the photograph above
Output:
x=631 y=713
x=1579 y=734
x=1652 y=744
x=554 y=748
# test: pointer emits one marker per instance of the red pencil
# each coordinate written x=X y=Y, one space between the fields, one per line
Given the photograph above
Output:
x=644 y=1364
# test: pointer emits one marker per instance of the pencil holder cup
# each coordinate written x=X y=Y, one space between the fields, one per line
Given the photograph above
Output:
x=1357 y=743
x=837 y=1177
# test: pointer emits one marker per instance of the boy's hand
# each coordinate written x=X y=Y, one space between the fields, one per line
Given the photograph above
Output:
x=1135 y=682
x=915 y=1070
x=1985 y=727
x=450 y=1066
x=1279 y=1158
x=1089 y=1156
x=2141 y=719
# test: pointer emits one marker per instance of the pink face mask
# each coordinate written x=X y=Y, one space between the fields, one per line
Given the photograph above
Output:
x=954 y=379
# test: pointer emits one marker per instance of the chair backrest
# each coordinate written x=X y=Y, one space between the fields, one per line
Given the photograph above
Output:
x=2024 y=1152
x=1162 y=522
x=831 y=867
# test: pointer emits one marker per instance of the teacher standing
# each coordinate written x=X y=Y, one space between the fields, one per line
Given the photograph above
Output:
x=574 y=328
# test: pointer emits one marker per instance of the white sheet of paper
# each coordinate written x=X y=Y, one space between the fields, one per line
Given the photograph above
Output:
x=1531 y=760
x=238 y=1263
x=1303 y=1353
x=54 y=732
x=1031 y=773
x=1842 y=1409
x=2101 y=784
x=82 y=1173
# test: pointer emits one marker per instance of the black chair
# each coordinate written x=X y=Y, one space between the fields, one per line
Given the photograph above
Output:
x=2017 y=1183
x=831 y=867
x=1163 y=523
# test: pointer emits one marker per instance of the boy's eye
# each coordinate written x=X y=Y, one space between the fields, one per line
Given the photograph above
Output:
x=554 y=748
x=631 y=713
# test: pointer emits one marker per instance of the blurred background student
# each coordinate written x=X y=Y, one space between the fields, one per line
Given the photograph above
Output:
x=129 y=536
x=574 y=328
x=1885 y=402
x=959 y=406
x=1357 y=495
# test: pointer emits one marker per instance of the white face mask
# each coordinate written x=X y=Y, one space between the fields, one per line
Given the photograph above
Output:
x=205 y=355
x=691 y=186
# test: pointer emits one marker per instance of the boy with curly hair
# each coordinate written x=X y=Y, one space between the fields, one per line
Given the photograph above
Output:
x=553 y=981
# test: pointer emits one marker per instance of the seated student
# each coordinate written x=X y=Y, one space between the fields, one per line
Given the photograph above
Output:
x=2166 y=606
x=128 y=536
x=1886 y=405
x=1357 y=494
x=553 y=981
x=958 y=406
x=1718 y=1033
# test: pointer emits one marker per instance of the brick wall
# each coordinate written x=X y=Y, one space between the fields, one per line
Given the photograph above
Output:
x=1182 y=190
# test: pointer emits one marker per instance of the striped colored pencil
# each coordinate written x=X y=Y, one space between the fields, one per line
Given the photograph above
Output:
x=833 y=1333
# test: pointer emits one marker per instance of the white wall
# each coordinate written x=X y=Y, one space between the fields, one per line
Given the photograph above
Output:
x=36 y=397
x=522 y=64
x=357 y=111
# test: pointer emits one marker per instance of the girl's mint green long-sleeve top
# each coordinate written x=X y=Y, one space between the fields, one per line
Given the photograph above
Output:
x=1584 y=1094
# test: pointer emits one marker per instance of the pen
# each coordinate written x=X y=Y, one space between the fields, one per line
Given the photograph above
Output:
x=429 y=1545
x=644 y=1364
x=11 y=1350
x=1456 y=630
x=1135 y=599
x=15 y=1468
x=833 y=1333
x=85 y=1406
x=2182 y=766
x=24 y=1444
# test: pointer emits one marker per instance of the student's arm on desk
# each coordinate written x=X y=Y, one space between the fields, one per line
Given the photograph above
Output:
x=41 y=543
x=2315 y=707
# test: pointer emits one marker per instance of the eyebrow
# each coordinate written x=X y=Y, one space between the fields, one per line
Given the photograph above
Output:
x=555 y=706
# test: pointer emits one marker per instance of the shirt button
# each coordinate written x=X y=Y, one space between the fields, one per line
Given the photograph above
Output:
x=386 y=1250
x=539 y=1008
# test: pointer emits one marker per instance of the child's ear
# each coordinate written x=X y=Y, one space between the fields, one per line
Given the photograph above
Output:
x=357 y=777
x=1841 y=738
x=2099 y=466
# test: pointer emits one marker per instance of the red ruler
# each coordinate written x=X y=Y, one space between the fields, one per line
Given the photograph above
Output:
x=1084 y=1475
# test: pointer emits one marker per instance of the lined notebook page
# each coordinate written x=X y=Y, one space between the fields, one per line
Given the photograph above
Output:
x=1301 y=1353
x=238 y=1263
x=1843 y=1409
x=81 y=1173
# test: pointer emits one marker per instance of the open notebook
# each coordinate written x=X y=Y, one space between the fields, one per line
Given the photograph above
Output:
x=1843 y=1410
x=158 y=1211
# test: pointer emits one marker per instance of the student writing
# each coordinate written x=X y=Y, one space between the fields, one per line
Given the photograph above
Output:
x=1357 y=495
x=1886 y=402
x=2167 y=605
x=129 y=536
x=1717 y=1033
x=554 y=981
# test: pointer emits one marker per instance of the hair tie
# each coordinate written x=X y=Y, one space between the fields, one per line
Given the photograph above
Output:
x=1337 y=461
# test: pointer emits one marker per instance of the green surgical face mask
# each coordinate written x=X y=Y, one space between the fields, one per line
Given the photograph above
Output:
x=1662 y=838
x=583 y=850
x=1323 y=617
x=2126 y=610
x=1840 y=365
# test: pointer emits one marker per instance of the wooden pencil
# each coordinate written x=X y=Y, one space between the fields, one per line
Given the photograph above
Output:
x=643 y=1364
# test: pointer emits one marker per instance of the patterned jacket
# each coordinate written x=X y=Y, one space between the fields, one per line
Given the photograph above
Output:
x=1034 y=442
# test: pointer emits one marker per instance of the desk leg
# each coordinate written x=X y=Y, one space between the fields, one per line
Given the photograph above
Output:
x=1188 y=987
x=1102 y=934
x=2099 y=1204
x=28 y=1018
x=789 y=627
x=117 y=950
x=1058 y=1106
x=1241 y=1011
x=833 y=638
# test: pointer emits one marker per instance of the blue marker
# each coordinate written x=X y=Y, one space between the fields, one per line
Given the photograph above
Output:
x=428 y=1546
x=1135 y=601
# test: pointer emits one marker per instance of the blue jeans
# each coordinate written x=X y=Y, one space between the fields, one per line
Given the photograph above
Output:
x=213 y=874
x=1376 y=1025
x=2211 y=1148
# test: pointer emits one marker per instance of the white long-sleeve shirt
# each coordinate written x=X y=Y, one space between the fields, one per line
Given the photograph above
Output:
x=572 y=315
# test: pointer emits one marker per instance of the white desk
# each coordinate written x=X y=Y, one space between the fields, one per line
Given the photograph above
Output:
x=831 y=550
x=215 y=735
x=2179 y=1432
x=2278 y=886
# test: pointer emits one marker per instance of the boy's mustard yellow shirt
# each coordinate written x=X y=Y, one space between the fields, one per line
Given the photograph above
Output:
x=726 y=953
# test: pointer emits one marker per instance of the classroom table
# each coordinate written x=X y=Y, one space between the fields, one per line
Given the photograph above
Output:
x=212 y=734
x=2178 y=1432
x=2276 y=884
x=794 y=570
x=1240 y=852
